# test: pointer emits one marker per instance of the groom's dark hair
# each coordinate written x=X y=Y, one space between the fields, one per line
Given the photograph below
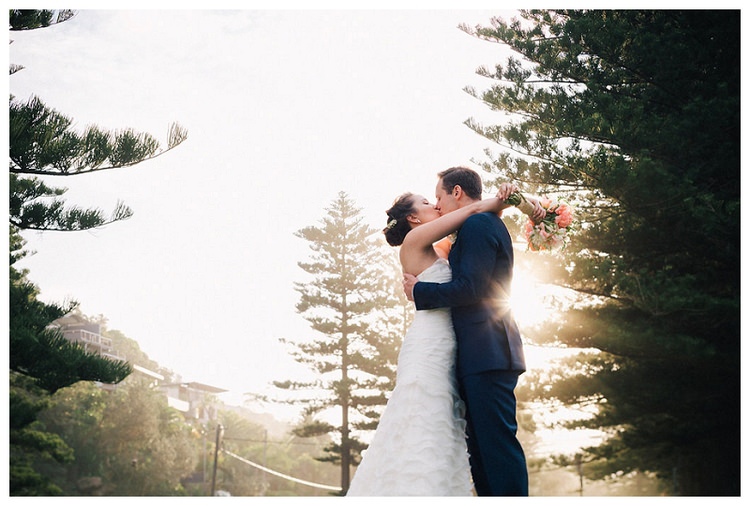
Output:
x=467 y=179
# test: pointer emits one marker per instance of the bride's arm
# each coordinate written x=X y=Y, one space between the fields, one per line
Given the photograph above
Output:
x=426 y=234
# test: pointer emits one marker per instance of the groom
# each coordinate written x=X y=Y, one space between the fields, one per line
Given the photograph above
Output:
x=490 y=353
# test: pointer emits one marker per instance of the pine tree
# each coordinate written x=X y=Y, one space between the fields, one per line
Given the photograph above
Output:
x=42 y=143
x=634 y=116
x=345 y=301
x=39 y=350
x=32 y=19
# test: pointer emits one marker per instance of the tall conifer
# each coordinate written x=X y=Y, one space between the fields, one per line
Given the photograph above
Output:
x=350 y=302
x=634 y=116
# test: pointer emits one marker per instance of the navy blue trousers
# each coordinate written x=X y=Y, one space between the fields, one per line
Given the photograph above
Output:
x=498 y=464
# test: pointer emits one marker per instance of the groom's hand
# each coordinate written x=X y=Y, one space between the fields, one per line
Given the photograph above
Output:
x=409 y=282
x=539 y=212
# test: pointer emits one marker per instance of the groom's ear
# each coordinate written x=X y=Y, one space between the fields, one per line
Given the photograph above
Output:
x=457 y=191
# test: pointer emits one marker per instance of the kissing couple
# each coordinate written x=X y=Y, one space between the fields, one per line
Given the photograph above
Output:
x=449 y=428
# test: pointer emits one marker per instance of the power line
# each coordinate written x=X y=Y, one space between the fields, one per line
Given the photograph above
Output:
x=285 y=476
x=253 y=440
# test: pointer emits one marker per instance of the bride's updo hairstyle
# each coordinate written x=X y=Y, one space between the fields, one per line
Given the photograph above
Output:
x=397 y=226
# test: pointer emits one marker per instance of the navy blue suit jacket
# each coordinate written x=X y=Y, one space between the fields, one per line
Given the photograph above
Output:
x=481 y=262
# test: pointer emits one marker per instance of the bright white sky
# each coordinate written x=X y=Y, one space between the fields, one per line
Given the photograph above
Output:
x=285 y=108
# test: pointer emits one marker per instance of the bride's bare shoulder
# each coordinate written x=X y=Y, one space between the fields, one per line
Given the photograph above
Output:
x=414 y=261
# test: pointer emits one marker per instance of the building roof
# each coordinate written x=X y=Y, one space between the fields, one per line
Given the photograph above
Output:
x=147 y=372
x=198 y=386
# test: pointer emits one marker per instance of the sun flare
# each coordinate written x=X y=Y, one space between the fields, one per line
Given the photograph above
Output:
x=530 y=299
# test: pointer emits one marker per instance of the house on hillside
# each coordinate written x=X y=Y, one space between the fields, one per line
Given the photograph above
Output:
x=193 y=399
x=77 y=329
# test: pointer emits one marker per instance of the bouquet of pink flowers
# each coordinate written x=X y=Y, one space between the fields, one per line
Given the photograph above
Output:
x=551 y=233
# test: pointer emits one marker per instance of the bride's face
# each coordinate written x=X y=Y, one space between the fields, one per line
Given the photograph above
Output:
x=424 y=211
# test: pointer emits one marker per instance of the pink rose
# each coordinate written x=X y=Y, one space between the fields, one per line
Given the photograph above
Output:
x=564 y=220
x=564 y=216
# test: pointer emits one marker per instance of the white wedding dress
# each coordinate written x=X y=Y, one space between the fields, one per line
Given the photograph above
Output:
x=419 y=447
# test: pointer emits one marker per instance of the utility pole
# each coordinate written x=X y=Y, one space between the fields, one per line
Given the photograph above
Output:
x=219 y=433
x=579 y=467
x=204 y=433
x=265 y=460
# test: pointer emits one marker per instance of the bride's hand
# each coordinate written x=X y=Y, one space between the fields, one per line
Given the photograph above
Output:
x=498 y=204
x=506 y=190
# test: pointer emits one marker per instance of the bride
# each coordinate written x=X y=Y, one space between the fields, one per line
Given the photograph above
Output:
x=419 y=447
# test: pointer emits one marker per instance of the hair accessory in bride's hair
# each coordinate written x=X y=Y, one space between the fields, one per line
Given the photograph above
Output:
x=391 y=224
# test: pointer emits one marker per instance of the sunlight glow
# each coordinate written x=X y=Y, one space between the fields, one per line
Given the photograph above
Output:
x=528 y=299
